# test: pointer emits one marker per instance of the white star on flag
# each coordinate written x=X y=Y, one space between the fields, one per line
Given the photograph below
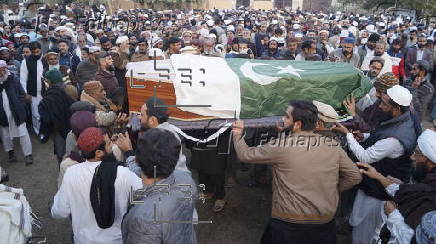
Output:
x=288 y=69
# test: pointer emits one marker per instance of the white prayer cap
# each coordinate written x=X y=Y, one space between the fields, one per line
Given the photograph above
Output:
x=227 y=21
x=400 y=95
x=170 y=23
x=296 y=26
x=299 y=35
x=274 y=39
x=211 y=35
x=203 y=32
x=210 y=22
x=122 y=39
x=189 y=50
x=355 y=23
x=3 y=64
x=94 y=49
x=427 y=144
x=274 y=22
x=326 y=112
x=159 y=52
x=147 y=22
x=231 y=28
x=344 y=33
x=413 y=28
x=370 y=28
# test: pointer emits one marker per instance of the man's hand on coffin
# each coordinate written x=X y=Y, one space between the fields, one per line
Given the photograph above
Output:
x=238 y=128
x=358 y=135
x=280 y=126
x=390 y=206
x=350 y=104
x=122 y=118
x=108 y=144
x=123 y=142
x=338 y=127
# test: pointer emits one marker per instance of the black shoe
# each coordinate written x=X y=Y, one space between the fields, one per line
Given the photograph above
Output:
x=28 y=160
x=3 y=175
x=12 y=158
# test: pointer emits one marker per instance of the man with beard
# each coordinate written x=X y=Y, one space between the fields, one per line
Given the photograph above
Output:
x=410 y=201
x=105 y=43
x=308 y=53
x=375 y=67
x=273 y=50
x=13 y=115
x=388 y=149
x=368 y=48
x=396 y=51
x=13 y=65
x=154 y=114
x=97 y=206
x=30 y=78
x=67 y=58
x=44 y=39
x=174 y=46
x=105 y=73
x=323 y=46
x=55 y=112
x=379 y=52
x=142 y=53
x=305 y=195
x=346 y=53
x=292 y=49
x=120 y=56
x=418 y=53
x=421 y=89
x=87 y=69
x=412 y=38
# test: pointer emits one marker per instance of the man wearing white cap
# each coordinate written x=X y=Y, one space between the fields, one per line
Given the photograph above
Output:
x=411 y=201
x=388 y=149
x=121 y=58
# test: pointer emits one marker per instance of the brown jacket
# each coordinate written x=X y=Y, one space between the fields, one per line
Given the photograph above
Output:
x=139 y=57
x=108 y=80
x=309 y=171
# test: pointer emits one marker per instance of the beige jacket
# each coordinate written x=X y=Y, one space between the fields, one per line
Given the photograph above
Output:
x=309 y=171
x=103 y=116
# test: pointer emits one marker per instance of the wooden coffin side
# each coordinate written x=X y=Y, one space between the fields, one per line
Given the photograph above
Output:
x=165 y=91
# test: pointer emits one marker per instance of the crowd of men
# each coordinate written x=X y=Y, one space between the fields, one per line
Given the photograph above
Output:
x=62 y=76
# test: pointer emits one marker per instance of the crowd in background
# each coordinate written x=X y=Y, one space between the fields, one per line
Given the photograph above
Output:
x=62 y=76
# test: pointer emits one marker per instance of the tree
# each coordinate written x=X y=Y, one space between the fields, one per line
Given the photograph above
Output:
x=423 y=7
x=169 y=3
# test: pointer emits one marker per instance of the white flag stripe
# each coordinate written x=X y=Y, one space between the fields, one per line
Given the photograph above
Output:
x=213 y=83
x=145 y=70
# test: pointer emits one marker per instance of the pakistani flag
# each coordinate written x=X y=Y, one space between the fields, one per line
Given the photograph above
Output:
x=260 y=88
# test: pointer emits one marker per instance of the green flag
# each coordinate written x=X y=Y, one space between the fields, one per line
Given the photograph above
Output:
x=268 y=85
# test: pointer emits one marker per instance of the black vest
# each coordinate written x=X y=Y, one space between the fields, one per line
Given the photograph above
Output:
x=402 y=128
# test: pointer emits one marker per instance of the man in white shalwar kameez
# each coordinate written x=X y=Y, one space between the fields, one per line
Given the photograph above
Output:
x=389 y=147
x=12 y=130
x=27 y=76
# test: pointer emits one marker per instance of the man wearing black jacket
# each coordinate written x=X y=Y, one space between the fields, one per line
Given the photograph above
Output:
x=13 y=114
x=55 y=112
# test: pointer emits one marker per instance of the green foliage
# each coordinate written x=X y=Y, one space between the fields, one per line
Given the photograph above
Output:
x=423 y=7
